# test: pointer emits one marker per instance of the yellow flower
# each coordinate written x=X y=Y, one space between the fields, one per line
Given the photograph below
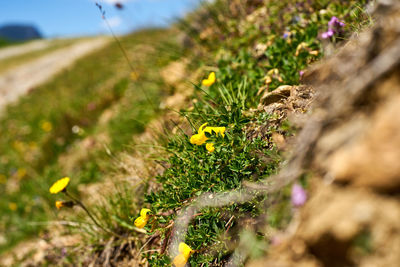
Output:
x=185 y=250
x=216 y=130
x=141 y=221
x=184 y=253
x=180 y=260
x=46 y=126
x=210 y=80
x=143 y=212
x=134 y=76
x=12 y=206
x=199 y=138
x=210 y=147
x=59 y=186
x=59 y=204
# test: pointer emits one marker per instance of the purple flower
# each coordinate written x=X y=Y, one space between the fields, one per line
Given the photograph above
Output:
x=335 y=22
x=285 y=35
x=301 y=73
x=299 y=195
x=63 y=252
x=327 y=34
x=334 y=27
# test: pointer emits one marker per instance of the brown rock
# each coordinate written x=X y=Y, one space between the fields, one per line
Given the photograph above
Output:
x=282 y=92
x=373 y=160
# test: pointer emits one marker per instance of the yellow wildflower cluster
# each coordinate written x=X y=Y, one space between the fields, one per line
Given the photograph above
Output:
x=184 y=253
x=210 y=80
x=142 y=220
x=59 y=186
x=200 y=138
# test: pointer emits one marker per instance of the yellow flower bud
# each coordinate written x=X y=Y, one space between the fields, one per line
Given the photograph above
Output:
x=141 y=221
x=210 y=147
x=210 y=80
x=59 y=204
x=62 y=204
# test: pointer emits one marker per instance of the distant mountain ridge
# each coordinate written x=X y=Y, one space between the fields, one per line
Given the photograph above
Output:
x=19 y=32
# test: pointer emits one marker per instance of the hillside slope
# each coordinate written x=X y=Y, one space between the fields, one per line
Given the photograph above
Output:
x=86 y=105
x=218 y=146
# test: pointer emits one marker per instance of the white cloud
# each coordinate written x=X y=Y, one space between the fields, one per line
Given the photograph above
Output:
x=114 y=1
x=114 y=22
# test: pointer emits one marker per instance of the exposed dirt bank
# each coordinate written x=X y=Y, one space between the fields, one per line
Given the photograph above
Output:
x=349 y=146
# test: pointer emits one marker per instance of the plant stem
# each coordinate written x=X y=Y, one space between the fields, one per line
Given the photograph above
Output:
x=91 y=216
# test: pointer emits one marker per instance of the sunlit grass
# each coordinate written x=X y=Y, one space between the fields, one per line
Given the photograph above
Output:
x=60 y=114
x=99 y=104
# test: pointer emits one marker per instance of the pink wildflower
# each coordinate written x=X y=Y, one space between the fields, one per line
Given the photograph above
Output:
x=299 y=195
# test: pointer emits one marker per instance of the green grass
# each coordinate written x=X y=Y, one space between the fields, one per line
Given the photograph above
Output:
x=30 y=160
x=229 y=49
x=4 y=43
x=224 y=40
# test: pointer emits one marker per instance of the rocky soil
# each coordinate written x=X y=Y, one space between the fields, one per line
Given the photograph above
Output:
x=350 y=148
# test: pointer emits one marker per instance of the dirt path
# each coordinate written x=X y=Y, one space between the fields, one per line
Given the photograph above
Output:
x=21 y=49
x=19 y=80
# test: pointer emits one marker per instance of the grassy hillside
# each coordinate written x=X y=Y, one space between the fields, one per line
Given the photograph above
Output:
x=48 y=122
x=4 y=42
x=89 y=114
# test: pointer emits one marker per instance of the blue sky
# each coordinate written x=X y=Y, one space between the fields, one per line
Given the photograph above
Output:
x=67 y=18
